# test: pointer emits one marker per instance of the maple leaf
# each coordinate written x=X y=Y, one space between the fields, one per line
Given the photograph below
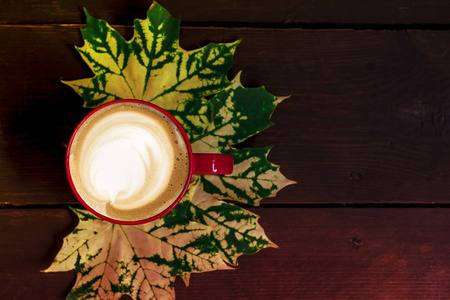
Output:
x=235 y=231
x=152 y=67
x=202 y=233
x=239 y=113
x=139 y=260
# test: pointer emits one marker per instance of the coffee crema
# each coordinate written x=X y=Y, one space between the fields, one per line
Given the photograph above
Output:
x=129 y=161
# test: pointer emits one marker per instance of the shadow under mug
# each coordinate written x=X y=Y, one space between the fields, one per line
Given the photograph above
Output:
x=216 y=164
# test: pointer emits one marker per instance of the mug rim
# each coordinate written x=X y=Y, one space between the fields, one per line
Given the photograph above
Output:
x=166 y=210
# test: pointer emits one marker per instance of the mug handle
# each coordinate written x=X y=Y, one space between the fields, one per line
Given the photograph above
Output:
x=215 y=164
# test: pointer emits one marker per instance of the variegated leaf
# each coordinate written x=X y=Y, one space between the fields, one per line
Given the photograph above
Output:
x=253 y=178
x=141 y=260
x=238 y=113
x=151 y=66
x=234 y=230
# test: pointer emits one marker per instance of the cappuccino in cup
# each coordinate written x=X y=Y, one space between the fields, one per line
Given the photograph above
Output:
x=128 y=161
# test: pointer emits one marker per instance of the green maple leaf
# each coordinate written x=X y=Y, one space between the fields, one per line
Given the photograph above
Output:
x=202 y=233
x=238 y=113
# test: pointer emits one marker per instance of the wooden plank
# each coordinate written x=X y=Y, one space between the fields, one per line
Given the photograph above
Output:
x=30 y=241
x=366 y=123
x=323 y=253
x=251 y=13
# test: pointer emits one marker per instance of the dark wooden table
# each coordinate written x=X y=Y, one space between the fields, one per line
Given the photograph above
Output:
x=366 y=134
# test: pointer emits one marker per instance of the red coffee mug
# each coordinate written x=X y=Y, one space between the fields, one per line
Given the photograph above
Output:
x=216 y=164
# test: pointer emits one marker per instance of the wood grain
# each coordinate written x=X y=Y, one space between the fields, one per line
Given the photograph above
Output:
x=366 y=126
x=323 y=253
x=265 y=13
x=366 y=121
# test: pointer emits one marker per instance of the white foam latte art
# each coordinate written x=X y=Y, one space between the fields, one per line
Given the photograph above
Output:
x=123 y=158
x=128 y=162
